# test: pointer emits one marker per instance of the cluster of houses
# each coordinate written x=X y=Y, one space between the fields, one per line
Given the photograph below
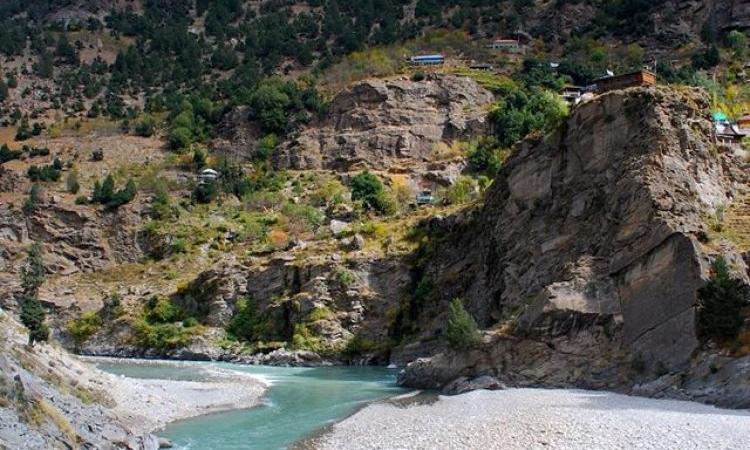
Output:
x=730 y=132
x=574 y=95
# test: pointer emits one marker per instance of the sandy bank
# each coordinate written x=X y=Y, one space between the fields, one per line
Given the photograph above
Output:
x=540 y=419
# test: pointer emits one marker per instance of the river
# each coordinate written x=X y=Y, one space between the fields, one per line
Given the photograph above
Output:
x=299 y=402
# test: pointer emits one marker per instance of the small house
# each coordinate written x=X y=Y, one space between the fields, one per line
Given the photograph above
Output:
x=208 y=176
x=481 y=66
x=425 y=197
x=427 y=60
x=624 y=81
x=506 y=45
x=573 y=95
x=744 y=122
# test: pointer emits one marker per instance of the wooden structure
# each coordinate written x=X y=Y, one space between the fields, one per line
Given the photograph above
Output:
x=633 y=79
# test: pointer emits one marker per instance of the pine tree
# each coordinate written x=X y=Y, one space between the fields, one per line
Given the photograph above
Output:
x=462 y=330
x=32 y=314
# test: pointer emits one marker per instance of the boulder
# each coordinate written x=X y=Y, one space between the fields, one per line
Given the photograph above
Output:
x=466 y=384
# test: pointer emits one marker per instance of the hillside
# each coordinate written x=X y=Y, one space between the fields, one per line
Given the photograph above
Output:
x=274 y=182
x=588 y=260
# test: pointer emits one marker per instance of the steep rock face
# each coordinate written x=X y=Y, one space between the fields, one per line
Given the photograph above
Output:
x=384 y=124
x=337 y=300
x=590 y=247
x=75 y=239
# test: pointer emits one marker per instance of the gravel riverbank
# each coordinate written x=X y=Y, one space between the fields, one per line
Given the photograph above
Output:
x=540 y=419
x=147 y=405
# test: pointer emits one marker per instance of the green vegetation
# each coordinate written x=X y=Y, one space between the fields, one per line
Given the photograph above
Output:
x=45 y=173
x=105 y=194
x=32 y=314
x=462 y=332
x=519 y=114
x=486 y=156
x=71 y=183
x=721 y=302
x=367 y=188
x=32 y=201
x=82 y=328
x=163 y=326
x=246 y=324
x=6 y=154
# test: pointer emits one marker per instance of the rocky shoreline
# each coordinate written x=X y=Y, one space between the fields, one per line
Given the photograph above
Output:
x=536 y=418
x=51 y=399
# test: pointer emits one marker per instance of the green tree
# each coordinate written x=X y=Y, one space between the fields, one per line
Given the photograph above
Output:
x=32 y=314
x=737 y=42
x=462 y=331
x=721 y=302
x=33 y=200
x=32 y=274
x=269 y=105
x=368 y=188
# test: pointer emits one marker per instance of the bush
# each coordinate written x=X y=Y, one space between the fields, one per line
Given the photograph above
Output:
x=45 y=173
x=82 y=328
x=71 y=183
x=205 y=192
x=6 y=154
x=180 y=138
x=368 y=188
x=462 y=331
x=161 y=310
x=486 y=156
x=720 y=304
x=33 y=200
x=97 y=155
x=146 y=127
x=245 y=322
x=105 y=194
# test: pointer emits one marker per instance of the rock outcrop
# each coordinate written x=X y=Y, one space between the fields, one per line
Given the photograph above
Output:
x=388 y=124
x=50 y=401
x=75 y=238
x=588 y=254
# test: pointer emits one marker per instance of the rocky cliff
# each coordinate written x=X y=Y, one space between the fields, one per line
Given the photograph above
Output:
x=385 y=124
x=48 y=400
x=76 y=239
x=586 y=259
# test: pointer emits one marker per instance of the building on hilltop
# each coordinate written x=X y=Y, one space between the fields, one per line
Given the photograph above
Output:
x=506 y=45
x=427 y=60
x=624 y=81
x=208 y=176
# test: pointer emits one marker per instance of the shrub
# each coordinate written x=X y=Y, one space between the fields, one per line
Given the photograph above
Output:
x=97 y=155
x=304 y=339
x=720 y=303
x=462 y=331
x=146 y=127
x=205 y=192
x=180 y=138
x=33 y=200
x=245 y=322
x=45 y=173
x=368 y=188
x=82 y=328
x=6 y=154
x=417 y=76
x=486 y=156
x=344 y=277
x=161 y=310
x=71 y=183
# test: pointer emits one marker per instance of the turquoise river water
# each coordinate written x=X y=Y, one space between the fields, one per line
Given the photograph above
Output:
x=299 y=403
